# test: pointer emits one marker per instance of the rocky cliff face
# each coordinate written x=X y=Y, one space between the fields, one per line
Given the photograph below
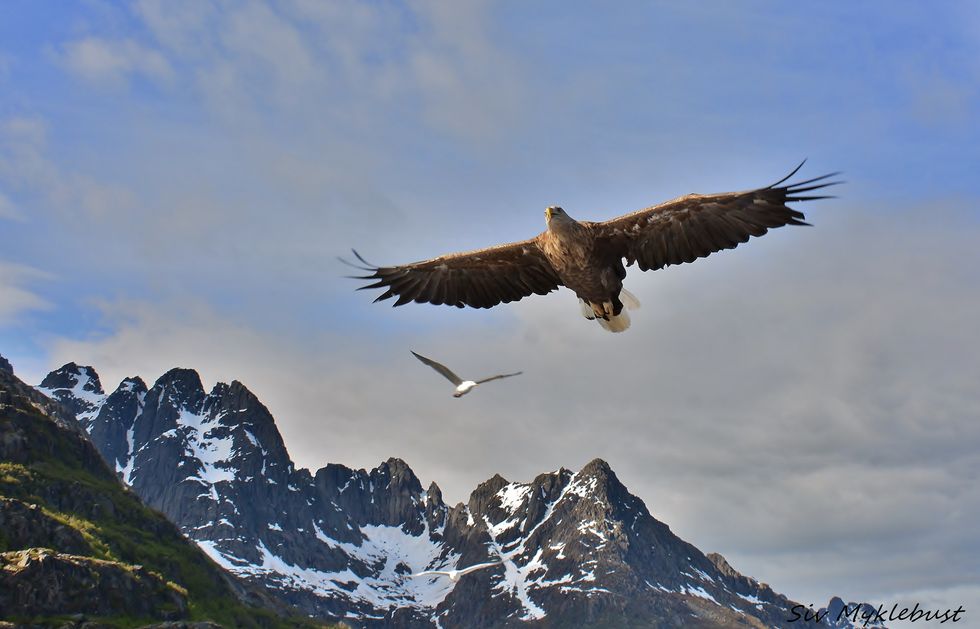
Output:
x=74 y=541
x=50 y=583
x=567 y=549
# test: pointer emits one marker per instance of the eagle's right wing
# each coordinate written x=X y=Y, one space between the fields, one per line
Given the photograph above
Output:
x=697 y=225
x=479 y=279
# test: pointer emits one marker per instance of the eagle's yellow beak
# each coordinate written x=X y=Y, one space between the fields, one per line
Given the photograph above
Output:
x=547 y=213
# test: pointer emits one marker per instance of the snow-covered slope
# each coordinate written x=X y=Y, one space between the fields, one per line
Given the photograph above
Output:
x=574 y=547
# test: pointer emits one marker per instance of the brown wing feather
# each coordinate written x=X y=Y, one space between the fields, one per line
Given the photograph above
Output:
x=480 y=279
x=697 y=225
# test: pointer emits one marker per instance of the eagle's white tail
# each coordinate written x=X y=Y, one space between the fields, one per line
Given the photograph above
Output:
x=618 y=323
x=630 y=302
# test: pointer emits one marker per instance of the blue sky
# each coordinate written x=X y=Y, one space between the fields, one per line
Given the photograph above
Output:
x=177 y=179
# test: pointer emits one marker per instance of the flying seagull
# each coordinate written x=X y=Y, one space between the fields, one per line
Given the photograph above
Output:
x=454 y=575
x=462 y=386
x=588 y=257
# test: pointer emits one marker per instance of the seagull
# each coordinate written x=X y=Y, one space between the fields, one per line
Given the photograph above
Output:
x=454 y=575
x=462 y=386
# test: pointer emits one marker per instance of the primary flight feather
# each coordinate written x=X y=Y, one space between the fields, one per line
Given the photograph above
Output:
x=588 y=257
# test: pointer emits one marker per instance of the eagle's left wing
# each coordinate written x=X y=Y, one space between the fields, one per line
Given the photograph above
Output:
x=697 y=225
x=479 y=279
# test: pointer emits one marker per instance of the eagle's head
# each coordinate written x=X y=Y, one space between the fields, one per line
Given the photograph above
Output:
x=554 y=212
x=557 y=220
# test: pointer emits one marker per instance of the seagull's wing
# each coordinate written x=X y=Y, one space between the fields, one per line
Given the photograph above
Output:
x=479 y=279
x=441 y=573
x=697 y=225
x=444 y=370
x=478 y=567
x=499 y=376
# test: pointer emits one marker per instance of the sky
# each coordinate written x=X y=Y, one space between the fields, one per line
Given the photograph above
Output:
x=177 y=180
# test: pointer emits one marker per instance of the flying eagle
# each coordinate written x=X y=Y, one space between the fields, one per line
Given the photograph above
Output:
x=588 y=257
x=462 y=386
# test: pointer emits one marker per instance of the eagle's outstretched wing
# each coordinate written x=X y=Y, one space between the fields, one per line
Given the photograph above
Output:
x=697 y=225
x=444 y=370
x=499 y=376
x=480 y=279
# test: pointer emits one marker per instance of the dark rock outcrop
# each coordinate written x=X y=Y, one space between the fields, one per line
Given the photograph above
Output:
x=42 y=582
x=26 y=525
x=110 y=428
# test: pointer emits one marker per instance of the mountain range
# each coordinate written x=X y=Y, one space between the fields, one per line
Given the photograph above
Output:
x=79 y=549
x=575 y=548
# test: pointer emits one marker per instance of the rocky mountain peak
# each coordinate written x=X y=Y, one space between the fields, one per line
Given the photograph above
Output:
x=396 y=473
x=485 y=492
x=433 y=495
x=599 y=476
x=596 y=467
x=110 y=427
x=6 y=366
x=181 y=386
x=71 y=375
x=133 y=383
x=722 y=565
x=78 y=388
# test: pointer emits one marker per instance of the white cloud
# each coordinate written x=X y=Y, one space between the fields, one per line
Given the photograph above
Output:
x=342 y=65
x=104 y=60
x=26 y=165
x=15 y=298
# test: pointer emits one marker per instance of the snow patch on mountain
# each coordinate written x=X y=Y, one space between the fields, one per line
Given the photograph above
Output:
x=514 y=495
x=399 y=554
x=204 y=444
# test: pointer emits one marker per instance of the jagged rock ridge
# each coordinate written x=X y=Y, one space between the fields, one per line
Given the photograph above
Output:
x=75 y=541
x=575 y=547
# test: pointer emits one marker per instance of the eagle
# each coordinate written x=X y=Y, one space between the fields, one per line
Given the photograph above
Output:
x=590 y=258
